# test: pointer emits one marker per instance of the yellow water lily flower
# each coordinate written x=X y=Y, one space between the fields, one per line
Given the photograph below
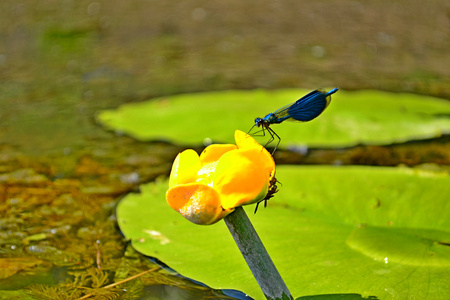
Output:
x=204 y=189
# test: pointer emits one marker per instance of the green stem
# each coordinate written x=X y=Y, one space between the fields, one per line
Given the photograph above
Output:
x=256 y=256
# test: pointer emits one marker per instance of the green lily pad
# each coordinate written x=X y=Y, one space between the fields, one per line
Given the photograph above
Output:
x=368 y=231
x=369 y=117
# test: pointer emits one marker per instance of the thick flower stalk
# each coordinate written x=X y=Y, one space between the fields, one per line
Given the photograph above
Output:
x=204 y=189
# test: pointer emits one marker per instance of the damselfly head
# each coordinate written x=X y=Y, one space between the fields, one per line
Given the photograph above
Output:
x=258 y=122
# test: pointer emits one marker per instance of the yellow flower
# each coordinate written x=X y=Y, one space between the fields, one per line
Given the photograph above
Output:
x=206 y=188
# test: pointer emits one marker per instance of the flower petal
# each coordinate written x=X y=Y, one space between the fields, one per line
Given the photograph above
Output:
x=241 y=178
x=213 y=152
x=185 y=168
x=198 y=203
x=206 y=188
x=245 y=141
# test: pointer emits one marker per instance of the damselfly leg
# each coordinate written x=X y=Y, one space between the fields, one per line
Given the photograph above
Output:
x=262 y=132
x=273 y=134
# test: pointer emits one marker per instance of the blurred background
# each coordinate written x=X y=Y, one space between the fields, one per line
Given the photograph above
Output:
x=60 y=61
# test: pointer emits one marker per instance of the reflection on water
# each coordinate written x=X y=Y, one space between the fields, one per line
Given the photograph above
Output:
x=39 y=284
x=162 y=292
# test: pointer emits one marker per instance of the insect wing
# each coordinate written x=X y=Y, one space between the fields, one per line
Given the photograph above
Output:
x=283 y=112
x=310 y=106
